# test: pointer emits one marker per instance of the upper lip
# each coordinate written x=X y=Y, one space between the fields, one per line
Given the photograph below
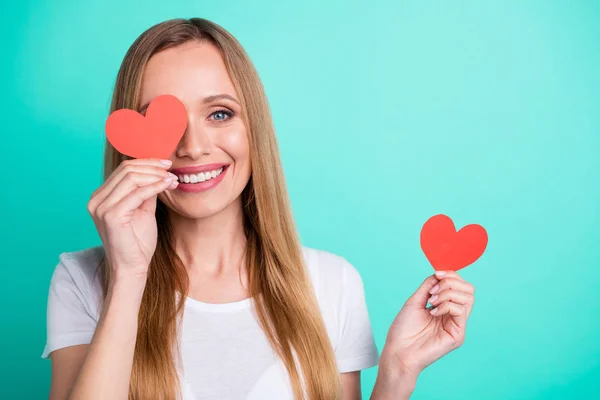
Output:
x=195 y=169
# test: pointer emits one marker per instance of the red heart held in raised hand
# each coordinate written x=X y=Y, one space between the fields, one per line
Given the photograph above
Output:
x=447 y=249
x=154 y=135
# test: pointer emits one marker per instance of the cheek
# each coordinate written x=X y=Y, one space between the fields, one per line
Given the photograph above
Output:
x=235 y=143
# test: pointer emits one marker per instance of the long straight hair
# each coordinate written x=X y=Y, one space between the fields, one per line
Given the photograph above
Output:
x=282 y=292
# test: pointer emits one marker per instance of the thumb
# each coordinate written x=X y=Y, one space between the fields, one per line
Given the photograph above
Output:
x=149 y=205
x=421 y=295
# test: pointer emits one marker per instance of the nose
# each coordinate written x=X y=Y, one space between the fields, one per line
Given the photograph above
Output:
x=196 y=141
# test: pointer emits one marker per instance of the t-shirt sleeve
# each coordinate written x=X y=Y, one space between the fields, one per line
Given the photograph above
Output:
x=356 y=349
x=69 y=319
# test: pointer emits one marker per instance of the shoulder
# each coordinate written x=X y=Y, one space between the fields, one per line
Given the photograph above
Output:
x=340 y=293
x=330 y=271
x=335 y=281
x=80 y=272
x=81 y=264
x=74 y=299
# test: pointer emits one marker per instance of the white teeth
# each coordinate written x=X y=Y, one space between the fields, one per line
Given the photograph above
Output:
x=200 y=177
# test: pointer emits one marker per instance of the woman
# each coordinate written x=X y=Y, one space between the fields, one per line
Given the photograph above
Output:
x=209 y=234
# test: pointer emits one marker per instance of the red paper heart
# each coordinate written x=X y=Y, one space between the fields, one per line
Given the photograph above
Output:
x=154 y=135
x=447 y=249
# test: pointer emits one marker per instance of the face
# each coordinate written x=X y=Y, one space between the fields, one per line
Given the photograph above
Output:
x=212 y=159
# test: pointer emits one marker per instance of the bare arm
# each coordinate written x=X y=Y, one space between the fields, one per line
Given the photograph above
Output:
x=351 y=386
x=389 y=385
x=102 y=369
x=392 y=384
x=66 y=364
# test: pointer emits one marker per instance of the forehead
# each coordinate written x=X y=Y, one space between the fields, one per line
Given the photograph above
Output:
x=189 y=71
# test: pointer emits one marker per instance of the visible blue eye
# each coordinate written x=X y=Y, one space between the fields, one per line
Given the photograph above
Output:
x=222 y=115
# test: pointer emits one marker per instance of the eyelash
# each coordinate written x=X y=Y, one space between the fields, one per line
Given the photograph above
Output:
x=224 y=111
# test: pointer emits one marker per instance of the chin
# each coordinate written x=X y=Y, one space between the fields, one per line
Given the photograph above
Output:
x=198 y=208
x=201 y=214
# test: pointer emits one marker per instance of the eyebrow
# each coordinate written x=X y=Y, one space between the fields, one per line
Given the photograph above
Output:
x=206 y=100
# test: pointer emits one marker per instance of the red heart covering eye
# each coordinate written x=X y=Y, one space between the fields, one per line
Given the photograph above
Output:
x=154 y=135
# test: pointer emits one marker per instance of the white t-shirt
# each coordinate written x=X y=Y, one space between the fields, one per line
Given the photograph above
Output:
x=225 y=353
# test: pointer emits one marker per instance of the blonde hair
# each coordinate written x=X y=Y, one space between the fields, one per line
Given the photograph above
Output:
x=282 y=293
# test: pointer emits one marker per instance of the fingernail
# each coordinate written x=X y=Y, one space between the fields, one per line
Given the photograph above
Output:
x=173 y=175
x=434 y=289
x=432 y=298
x=440 y=273
x=166 y=162
x=433 y=311
x=170 y=178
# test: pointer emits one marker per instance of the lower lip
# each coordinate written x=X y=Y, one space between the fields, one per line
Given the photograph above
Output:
x=202 y=186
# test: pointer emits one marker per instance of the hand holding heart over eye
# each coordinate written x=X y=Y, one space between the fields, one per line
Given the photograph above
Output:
x=123 y=209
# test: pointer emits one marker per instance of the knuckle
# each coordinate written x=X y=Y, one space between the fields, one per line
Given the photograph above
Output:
x=465 y=301
x=132 y=177
x=128 y=169
x=110 y=216
x=101 y=212
x=139 y=191
x=453 y=280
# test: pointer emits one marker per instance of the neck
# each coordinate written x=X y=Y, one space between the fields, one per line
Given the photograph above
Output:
x=212 y=246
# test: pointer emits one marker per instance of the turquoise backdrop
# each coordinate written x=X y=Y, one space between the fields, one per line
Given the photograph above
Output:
x=387 y=113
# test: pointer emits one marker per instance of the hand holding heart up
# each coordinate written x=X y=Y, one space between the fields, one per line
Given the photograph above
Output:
x=420 y=335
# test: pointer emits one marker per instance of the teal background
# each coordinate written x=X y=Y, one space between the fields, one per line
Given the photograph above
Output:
x=387 y=113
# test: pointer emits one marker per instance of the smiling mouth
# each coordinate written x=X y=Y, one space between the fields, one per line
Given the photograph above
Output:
x=201 y=176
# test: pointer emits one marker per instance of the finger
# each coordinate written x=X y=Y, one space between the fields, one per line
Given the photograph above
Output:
x=421 y=295
x=135 y=199
x=128 y=184
x=455 y=310
x=132 y=166
x=454 y=296
x=150 y=204
x=117 y=176
x=454 y=284
x=448 y=273
x=457 y=315
x=140 y=162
